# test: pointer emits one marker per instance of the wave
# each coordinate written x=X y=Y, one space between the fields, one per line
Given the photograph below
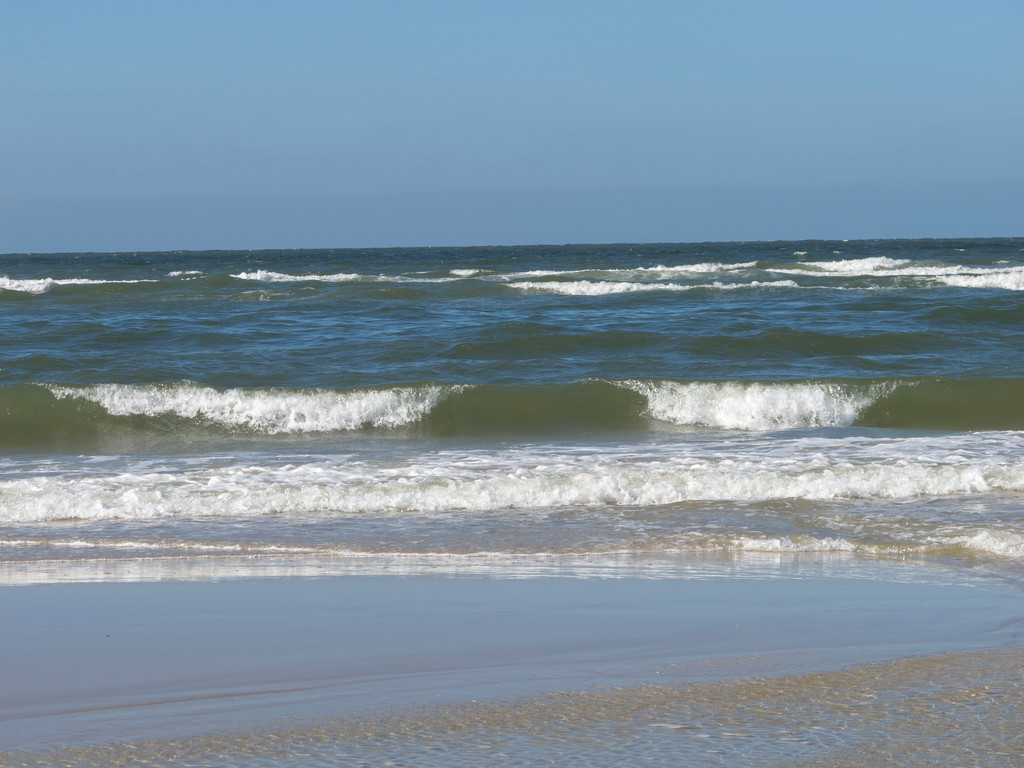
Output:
x=84 y=417
x=1004 y=277
x=659 y=272
x=590 y=288
x=1008 y=280
x=268 y=412
x=714 y=560
x=45 y=284
x=266 y=276
x=936 y=403
x=802 y=271
x=706 y=555
x=757 y=406
x=541 y=478
x=863 y=266
x=605 y=287
x=842 y=273
x=978 y=540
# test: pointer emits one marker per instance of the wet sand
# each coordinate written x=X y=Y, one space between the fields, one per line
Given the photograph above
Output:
x=125 y=663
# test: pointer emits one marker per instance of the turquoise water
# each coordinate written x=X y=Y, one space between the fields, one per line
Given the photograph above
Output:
x=511 y=403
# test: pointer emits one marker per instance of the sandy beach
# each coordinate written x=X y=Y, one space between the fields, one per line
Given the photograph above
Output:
x=158 y=664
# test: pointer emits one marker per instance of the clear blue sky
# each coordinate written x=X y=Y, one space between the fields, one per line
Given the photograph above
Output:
x=128 y=125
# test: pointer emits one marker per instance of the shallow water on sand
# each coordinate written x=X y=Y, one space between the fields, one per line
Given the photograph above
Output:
x=711 y=659
x=962 y=709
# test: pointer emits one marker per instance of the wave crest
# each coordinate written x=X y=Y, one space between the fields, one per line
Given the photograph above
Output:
x=44 y=284
x=267 y=276
x=523 y=479
x=266 y=411
x=755 y=406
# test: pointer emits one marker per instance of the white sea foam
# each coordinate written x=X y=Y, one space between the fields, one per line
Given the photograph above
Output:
x=855 y=266
x=1008 y=544
x=595 y=288
x=660 y=271
x=604 y=288
x=537 y=478
x=954 y=275
x=753 y=406
x=756 y=564
x=42 y=285
x=1005 y=279
x=995 y=542
x=170 y=560
x=266 y=276
x=797 y=544
x=266 y=411
x=681 y=270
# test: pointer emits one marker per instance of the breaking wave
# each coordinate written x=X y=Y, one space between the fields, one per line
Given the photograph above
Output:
x=84 y=417
x=268 y=412
x=605 y=287
x=266 y=276
x=757 y=406
x=921 y=274
x=45 y=284
x=537 y=478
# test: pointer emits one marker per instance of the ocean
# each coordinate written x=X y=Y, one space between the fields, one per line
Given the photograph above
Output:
x=535 y=411
x=510 y=405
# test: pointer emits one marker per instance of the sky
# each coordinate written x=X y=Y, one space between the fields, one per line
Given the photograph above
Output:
x=156 y=125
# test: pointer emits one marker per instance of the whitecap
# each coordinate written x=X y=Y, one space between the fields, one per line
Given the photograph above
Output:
x=605 y=288
x=529 y=478
x=267 y=411
x=754 y=406
x=267 y=276
x=44 y=284
x=589 y=288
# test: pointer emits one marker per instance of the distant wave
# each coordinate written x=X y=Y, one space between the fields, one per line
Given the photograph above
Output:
x=266 y=276
x=863 y=266
x=802 y=272
x=659 y=272
x=263 y=275
x=588 y=288
x=604 y=288
x=60 y=415
x=44 y=284
x=1009 y=277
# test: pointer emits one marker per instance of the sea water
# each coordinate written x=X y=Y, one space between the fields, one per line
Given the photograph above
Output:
x=514 y=411
x=511 y=404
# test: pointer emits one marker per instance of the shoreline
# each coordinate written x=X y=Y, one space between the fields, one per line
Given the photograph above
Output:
x=920 y=710
x=118 y=663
